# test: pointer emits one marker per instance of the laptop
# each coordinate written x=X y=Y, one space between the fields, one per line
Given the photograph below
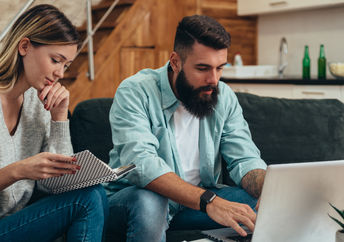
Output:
x=294 y=204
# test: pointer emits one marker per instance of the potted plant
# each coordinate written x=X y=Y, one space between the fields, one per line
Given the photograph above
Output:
x=340 y=232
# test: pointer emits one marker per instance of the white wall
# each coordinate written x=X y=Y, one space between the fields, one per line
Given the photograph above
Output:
x=311 y=27
x=75 y=10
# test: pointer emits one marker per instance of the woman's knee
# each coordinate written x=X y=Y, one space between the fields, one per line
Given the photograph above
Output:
x=94 y=200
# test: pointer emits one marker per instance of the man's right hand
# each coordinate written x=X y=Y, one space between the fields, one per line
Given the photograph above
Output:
x=230 y=214
x=224 y=212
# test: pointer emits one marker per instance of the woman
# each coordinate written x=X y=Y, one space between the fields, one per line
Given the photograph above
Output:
x=34 y=133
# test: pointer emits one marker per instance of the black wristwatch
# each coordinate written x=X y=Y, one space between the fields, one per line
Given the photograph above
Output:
x=207 y=197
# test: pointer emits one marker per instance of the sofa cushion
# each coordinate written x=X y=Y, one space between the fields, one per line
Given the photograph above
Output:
x=287 y=130
x=90 y=127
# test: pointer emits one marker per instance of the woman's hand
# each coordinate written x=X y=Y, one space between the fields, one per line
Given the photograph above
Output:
x=56 y=100
x=45 y=165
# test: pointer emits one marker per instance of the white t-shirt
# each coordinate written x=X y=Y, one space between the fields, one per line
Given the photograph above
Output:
x=186 y=131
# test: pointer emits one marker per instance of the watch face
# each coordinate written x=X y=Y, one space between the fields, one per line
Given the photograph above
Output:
x=208 y=196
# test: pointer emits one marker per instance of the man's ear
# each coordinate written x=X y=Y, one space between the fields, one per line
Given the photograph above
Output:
x=23 y=46
x=175 y=62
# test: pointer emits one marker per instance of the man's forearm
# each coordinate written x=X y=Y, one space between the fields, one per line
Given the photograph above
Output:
x=173 y=187
x=253 y=181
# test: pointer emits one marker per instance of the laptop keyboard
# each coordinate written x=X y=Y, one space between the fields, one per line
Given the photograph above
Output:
x=239 y=238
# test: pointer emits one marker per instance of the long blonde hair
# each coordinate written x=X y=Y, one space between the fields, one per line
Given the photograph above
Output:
x=43 y=24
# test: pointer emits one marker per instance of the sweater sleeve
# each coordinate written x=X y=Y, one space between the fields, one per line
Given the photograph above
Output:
x=58 y=138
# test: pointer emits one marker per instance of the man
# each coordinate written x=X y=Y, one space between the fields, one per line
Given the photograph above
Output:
x=175 y=124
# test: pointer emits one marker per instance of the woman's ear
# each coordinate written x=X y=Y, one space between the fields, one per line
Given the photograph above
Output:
x=23 y=46
x=175 y=62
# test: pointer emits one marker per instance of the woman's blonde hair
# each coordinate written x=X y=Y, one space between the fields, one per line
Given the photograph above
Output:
x=43 y=25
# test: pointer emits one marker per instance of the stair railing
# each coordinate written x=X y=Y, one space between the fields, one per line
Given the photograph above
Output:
x=21 y=11
x=91 y=32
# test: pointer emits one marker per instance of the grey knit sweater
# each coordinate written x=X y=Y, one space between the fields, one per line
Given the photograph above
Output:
x=36 y=132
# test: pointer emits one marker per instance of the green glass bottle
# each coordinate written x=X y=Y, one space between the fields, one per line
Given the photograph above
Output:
x=306 y=65
x=322 y=63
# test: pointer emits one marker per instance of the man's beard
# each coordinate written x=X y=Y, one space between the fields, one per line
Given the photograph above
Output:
x=192 y=99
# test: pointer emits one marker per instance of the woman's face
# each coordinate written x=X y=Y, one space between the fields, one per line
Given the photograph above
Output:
x=45 y=65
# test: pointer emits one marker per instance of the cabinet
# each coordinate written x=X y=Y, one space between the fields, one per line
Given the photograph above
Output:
x=267 y=90
x=292 y=91
x=249 y=7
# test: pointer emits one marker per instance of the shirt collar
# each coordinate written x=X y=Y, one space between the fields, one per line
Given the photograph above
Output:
x=168 y=97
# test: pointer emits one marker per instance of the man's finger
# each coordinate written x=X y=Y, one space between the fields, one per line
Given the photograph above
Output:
x=245 y=221
x=234 y=225
x=257 y=205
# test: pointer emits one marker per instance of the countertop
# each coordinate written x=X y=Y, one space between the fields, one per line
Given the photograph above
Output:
x=285 y=80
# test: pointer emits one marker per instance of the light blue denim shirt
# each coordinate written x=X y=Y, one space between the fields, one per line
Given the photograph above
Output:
x=141 y=119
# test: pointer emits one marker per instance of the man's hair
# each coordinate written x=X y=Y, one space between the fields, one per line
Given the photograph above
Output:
x=204 y=30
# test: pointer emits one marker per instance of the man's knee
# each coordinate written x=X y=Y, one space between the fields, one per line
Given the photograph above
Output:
x=147 y=206
x=136 y=213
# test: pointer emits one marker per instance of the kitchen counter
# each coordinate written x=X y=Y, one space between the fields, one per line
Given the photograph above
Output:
x=285 y=80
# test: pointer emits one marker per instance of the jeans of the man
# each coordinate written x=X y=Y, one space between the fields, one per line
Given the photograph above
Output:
x=79 y=214
x=141 y=215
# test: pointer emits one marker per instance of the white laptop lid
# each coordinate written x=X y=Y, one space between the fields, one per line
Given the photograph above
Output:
x=295 y=200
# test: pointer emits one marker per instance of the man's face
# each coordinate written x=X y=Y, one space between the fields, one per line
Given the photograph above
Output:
x=196 y=83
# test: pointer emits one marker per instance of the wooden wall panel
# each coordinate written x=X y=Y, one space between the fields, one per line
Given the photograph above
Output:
x=219 y=8
x=143 y=35
x=133 y=60
x=166 y=16
x=108 y=80
x=162 y=57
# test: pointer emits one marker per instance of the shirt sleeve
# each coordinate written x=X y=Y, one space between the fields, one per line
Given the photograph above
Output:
x=237 y=147
x=133 y=139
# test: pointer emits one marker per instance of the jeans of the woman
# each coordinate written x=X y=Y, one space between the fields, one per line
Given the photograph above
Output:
x=79 y=214
x=141 y=215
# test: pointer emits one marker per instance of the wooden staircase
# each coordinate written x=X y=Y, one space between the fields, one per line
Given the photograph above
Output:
x=100 y=36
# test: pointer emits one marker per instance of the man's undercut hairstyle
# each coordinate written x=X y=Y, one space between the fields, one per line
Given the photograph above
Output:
x=204 y=30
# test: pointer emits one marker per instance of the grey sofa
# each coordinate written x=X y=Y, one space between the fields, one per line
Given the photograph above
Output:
x=284 y=130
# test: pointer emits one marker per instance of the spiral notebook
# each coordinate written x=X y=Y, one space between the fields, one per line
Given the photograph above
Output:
x=93 y=171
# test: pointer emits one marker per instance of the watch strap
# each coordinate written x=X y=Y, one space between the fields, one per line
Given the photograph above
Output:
x=206 y=198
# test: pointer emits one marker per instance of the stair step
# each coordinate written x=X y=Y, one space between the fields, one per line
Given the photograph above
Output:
x=105 y=26
x=110 y=22
x=107 y=3
x=98 y=39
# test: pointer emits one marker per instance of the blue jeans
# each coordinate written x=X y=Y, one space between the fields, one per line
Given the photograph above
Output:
x=79 y=213
x=141 y=215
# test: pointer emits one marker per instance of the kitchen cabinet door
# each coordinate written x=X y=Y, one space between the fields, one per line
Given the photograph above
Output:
x=291 y=91
x=249 y=7
x=318 y=92
x=266 y=90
